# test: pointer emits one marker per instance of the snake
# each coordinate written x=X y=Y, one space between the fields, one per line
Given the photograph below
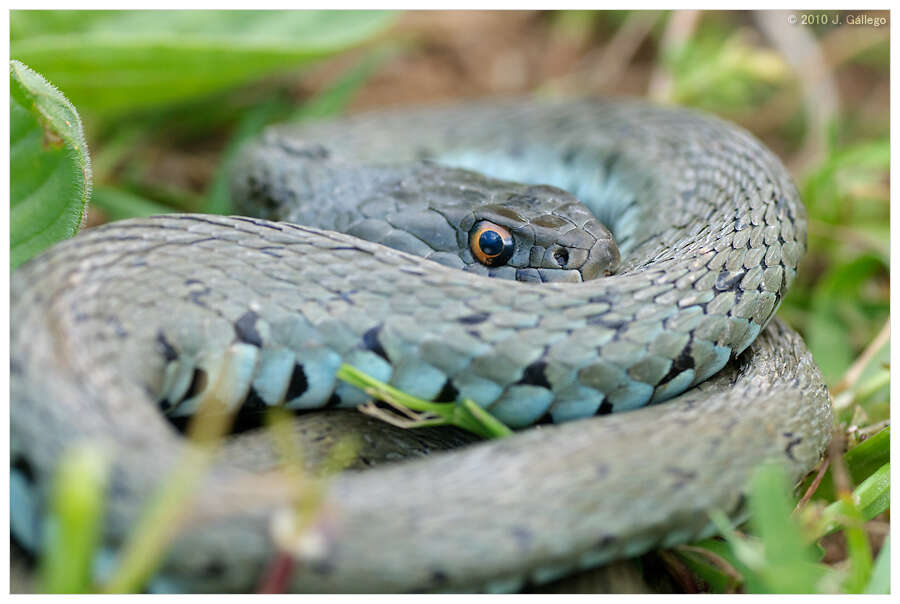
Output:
x=600 y=275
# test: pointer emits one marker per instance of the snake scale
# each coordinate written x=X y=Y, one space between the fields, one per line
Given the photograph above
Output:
x=140 y=315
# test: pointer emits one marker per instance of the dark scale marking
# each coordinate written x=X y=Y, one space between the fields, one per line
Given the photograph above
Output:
x=448 y=394
x=602 y=319
x=334 y=401
x=605 y=408
x=258 y=222
x=473 y=319
x=214 y=569
x=546 y=418
x=682 y=477
x=196 y=294
x=351 y=248
x=312 y=151
x=438 y=577
x=610 y=162
x=535 y=375
x=21 y=464
x=606 y=541
x=370 y=342
x=298 y=384
x=424 y=153
x=270 y=251
x=254 y=401
x=198 y=382
x=791 y=444
x=683 y=362
x=245 y=328
x=165 y=348
x=323 y=567
x=729 y=281
x=522 y=536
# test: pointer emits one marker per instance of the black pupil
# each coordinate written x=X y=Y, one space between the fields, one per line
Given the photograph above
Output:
x=491 y=243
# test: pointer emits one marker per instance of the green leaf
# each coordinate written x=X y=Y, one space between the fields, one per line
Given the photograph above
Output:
x=49 y=166
x=418 y=412
x=74 y=521
x=862 y=461
x=789 y=565
x=117 y=61
x=871 y=498
x=859 y=552
x=713 y=562
x=880 y=580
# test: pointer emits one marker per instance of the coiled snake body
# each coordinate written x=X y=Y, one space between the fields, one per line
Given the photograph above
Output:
x=124 y=318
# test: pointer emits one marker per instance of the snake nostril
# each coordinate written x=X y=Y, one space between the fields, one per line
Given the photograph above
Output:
x=561 y=256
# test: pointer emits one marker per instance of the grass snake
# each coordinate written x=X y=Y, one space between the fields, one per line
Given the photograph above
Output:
x=137 y=316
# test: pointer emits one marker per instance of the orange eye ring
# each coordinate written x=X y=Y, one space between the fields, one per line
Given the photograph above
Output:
x=491 y=244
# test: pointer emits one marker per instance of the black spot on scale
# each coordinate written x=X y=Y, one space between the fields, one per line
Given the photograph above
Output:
x=424 y=153
x=683 y=362
x=438 y=577
x=534 y=375
x=791 y=444
x=245 y=328
x=473 y=319
x=728 y=280
x=298 y=384
x=22 y=465
x=605 y=408
x=602 y=319
x=610 y=162
x=682 y=477
x=254 y=402
x=214 y=569
x=606 y=541
x=522 y=536
x=448 y=394
x=545 y=419
x=599 y=299
x=198 y=382
x=334 y=401
x=198 y=289
x=370 y=342
x=323 y=566
x=165 y=348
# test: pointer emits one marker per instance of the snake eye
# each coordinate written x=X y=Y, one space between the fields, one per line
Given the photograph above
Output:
x=492 y=245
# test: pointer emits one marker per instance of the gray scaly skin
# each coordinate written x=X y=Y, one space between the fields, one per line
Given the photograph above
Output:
x=710 y=230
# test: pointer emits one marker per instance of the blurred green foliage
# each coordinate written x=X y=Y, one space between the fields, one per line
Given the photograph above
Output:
x=115 y=62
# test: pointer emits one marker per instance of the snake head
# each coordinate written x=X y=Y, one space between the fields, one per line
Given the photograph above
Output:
x=543 y=233
x=456 y=217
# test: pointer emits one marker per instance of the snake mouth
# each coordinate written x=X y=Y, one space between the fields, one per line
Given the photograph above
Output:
x=560 y=275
